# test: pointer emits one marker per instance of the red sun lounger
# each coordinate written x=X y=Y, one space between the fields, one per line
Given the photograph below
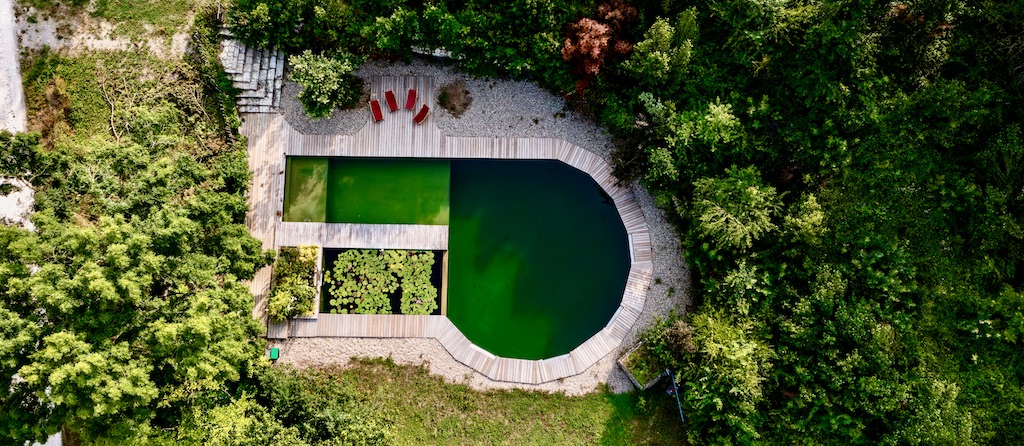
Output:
x=421 y=115
x=375 y=111
x=410 y=100
x=389 y=97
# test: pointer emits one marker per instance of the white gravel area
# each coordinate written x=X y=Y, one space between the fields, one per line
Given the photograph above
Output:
x=16 y=206
x=12 y=98
x=500 y=107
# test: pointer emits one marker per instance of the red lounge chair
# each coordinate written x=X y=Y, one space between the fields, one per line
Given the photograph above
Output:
x=421 y=115
x=389 y=97
x=375 y=111
x=410 y=100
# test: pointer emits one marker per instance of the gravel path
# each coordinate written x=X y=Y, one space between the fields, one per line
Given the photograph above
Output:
x=15 y=206
x=12 y=99
x=500 y=108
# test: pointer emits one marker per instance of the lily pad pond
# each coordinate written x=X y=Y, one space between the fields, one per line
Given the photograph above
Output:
x=537 y=255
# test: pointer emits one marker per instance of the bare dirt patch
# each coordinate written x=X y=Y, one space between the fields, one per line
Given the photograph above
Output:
x=73 y=32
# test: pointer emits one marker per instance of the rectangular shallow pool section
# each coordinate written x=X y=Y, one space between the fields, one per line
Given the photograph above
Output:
x=305 y=189
x=367 y=190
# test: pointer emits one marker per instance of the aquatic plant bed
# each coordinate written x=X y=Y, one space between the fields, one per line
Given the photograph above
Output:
x=379 y=281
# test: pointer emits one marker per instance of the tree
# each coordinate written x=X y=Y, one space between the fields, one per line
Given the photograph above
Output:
x=241 y=422
x=126 y=306
x=663 y=55
x=586 y=46
x=327 y=82
x=736 y=210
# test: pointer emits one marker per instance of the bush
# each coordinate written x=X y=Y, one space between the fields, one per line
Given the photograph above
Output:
x=293 y=285
x=325 y=409
x=721 y=380
x=454 y=97
x=327 y=82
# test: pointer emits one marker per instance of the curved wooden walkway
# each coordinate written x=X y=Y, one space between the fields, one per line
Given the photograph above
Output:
x=271 y=139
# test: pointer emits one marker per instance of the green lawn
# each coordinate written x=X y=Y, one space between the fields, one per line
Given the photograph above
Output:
x=428 y=411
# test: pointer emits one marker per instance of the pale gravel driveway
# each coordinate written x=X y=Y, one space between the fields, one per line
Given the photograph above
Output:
x=12 y=99
x=500 y=108
x=15 y=206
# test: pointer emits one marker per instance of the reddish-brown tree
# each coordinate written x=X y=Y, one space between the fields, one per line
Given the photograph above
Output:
x=586 y=45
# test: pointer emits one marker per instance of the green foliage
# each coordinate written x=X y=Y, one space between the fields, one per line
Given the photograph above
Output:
x=293 y=291
x=661 y=58
x=419 y=296
x=133 y=309
x=327 y=82
x=241 y=422
x=662 y=346
x=722 y=381
x=528 y=44
x=325 y=409
x=18 y=154
x=362 y=281
x=395 y=33
x=736 y=210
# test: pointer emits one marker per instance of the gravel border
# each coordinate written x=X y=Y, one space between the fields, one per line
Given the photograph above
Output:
x=500 y=107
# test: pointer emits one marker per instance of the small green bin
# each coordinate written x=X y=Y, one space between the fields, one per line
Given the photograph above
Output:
x=274 y=354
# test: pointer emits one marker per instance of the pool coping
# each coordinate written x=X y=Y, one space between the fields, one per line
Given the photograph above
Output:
x=272 y=139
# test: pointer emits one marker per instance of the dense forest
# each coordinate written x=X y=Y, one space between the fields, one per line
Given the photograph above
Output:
x=847 y=178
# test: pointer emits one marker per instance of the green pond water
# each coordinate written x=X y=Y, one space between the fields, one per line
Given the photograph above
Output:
x=537 y=253
x=358 y=190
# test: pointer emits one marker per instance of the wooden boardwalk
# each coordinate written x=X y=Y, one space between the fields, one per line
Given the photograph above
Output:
x=352 y=235
x=271 y=139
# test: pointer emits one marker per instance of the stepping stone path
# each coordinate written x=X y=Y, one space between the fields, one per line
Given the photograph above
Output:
x=259 y=73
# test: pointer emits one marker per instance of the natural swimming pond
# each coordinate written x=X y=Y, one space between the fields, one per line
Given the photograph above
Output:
x=537 y=256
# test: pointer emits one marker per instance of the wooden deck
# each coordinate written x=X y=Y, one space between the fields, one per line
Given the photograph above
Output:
x=351 y=235
x=271 y=139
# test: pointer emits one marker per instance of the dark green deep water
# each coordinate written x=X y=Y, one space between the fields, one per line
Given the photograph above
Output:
x=537 y=253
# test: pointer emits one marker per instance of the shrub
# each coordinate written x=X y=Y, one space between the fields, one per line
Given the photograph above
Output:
x=325 y=409
x=293 y=292
x=327 y=82
x=721 y=380
x=454 y=97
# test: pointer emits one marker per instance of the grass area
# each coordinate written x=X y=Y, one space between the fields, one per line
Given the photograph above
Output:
x=427 y=410
x=132 y=18
x=65 y=95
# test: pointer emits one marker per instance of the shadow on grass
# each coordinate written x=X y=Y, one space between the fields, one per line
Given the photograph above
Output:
x=643 y=417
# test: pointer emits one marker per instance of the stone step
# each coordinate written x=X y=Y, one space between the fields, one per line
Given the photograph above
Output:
x=255 y=109
x=251 y=64
x=262 y=101
x=229 y=55
x=238 y=67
